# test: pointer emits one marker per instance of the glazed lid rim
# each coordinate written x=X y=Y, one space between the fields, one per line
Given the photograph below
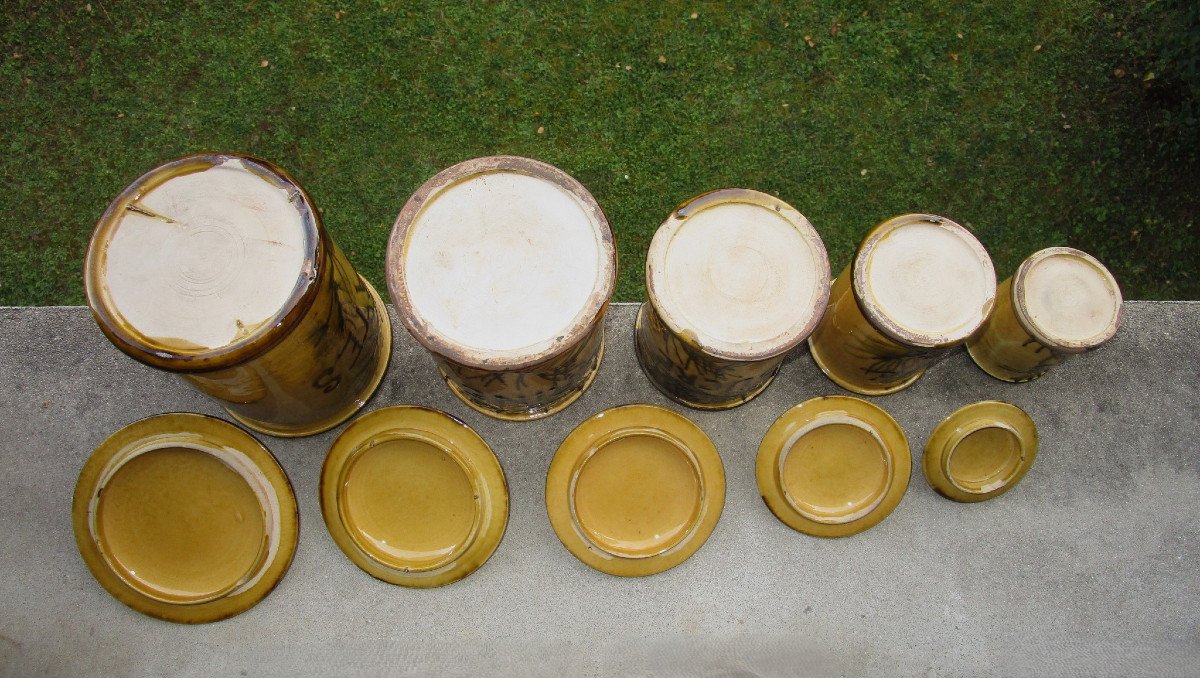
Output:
x=257 y=342
x=771 y=450
x=590 y=313
x=483 y=470
x=196 y=431
x=664 y=236
x=968 y=419
x=606 y=426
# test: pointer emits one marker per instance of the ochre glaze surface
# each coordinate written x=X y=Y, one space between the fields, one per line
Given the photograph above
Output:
x=835 y=472
x=413 y=496
x=856 y=355
x=410 y=503
x=689 y=375
x=637 y=495
x=635 y=490
x=1005 y=349
x=833 y=466
x=180 y=524
x=984 y=458
x=980 y=451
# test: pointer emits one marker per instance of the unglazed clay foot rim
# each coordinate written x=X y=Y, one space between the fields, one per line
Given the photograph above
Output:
x=837 y=379
x=456 y=440
x=948 y=436
x=535 y=413
x=203 y=435
x=811 y=415
x=605 y=428
x=385 y=342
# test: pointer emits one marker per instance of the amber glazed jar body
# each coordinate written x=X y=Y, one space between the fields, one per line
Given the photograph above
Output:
x=1059 y=303
x=216 y=267
x=502 y=268
x=919 y=285
x=735 y=279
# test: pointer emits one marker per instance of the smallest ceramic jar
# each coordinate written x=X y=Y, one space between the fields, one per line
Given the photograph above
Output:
x=414 y=496
x=1060 y=302
x=980 y=451
x=185 y=517
x=735 y=279
x=918 y=286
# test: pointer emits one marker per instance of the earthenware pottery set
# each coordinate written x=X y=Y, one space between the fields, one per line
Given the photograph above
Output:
x=217 y=267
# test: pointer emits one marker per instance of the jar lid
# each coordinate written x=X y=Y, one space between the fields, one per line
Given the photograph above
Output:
x=924 y=280
x=414 y=496
x=199 y=263
x=500 y=262
x=980 y=451
x=833 y=466
x=185 y=517
x=1067 y=299
x=635 y=490
x=741 y=272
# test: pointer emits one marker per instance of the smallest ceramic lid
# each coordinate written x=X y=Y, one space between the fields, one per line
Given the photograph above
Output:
x=200 y=257
x=185 y=517
x=980 y=451
x=741 y=271
x=924 y=280
x=833 y=466
x=414 y=497
x=635 y=490
x=1067 y=299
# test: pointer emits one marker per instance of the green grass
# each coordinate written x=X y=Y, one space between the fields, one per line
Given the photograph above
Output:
x=1034 y=123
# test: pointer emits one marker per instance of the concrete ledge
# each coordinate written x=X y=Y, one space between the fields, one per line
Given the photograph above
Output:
x=1086 y=568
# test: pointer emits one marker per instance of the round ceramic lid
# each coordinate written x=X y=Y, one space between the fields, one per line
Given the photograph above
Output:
x=980 y=451
x=833 y=466
x=185 y=517
x=414 y=497
x=1067 y=298
x=635 y=490
x=201 y=256
x=741 y=271
x=924 y=280
x=501 y=262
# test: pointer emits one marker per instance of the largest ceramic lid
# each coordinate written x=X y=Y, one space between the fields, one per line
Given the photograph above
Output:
x=185 y=517
x=742 y=272
x=201 y=258
x=500 y=262
x=924 y=280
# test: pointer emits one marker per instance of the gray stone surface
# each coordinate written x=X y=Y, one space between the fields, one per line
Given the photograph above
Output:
x=1088 y=567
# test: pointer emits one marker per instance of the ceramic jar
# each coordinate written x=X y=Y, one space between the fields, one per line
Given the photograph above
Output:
x=216 y=267
x=1059 y=303
x=502 y=267
x=735 y=279
x=918 y=286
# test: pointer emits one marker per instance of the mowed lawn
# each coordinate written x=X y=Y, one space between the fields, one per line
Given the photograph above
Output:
x=1034 y=123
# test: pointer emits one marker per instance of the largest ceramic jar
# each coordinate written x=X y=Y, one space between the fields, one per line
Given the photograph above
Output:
x=502 y=267
x=216 y=267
